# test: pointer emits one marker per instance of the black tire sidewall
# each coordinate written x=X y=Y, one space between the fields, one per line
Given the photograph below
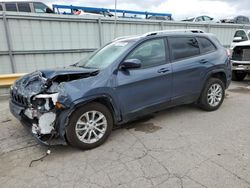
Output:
x=203 y=100
x=238 y=76
x=70 y=128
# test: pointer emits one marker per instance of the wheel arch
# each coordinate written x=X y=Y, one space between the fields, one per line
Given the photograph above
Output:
x=105 y=100
x=220 y=74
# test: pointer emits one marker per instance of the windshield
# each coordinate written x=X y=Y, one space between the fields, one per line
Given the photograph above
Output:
x=107 y=55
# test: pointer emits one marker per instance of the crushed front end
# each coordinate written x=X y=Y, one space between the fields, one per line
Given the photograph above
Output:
x=34 y=103
x=43 y=100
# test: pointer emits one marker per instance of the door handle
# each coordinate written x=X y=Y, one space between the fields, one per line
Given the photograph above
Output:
x=163 y=70
x=203 y=61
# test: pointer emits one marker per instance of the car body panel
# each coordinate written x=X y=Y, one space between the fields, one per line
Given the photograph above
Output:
x=128 y=93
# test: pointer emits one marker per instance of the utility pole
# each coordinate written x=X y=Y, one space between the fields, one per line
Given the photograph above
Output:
x=115 y=31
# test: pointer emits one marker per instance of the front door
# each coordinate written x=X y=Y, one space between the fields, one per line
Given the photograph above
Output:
x=149 y=85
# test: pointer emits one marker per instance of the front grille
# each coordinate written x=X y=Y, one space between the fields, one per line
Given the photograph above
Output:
x=241 y=53
x=19 y=99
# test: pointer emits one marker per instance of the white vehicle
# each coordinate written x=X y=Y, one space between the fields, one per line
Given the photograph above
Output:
x=25 y=6
x=203 y=18
x=240 y=60
x=240 y=35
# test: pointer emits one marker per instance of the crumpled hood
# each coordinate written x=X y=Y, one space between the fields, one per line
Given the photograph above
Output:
x=40 y=81
x=67 y=71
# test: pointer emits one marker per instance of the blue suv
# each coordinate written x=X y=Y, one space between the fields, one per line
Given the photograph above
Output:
x=128 y=78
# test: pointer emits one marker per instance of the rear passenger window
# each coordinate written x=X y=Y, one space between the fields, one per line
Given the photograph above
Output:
x=10 y=7
x=206 y=45
x=23 y=7
x=1 y=8
x=183 y=47
x=151 y=53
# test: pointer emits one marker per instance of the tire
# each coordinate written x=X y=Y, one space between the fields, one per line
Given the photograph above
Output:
x=238 y=76
x=207 y=96
x=80 y=129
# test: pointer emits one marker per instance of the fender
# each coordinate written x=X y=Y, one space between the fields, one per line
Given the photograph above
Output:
x=221 y=70
x=116 y=115
x=63 y=118
x=208 y=75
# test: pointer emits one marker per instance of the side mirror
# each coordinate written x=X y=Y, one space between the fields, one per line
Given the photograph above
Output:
x=237 y=39
x=131 y=64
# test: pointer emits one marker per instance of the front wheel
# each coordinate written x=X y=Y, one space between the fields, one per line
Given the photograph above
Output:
x=212 y=95
x=89 y=126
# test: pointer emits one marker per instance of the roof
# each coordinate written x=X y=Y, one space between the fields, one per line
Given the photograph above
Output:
x=162 y=33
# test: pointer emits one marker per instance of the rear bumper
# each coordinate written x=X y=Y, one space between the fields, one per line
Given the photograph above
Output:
x=18 y=112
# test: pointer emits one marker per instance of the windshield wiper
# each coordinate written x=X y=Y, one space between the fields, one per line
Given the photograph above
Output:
x=82 y=66
x=75 y=64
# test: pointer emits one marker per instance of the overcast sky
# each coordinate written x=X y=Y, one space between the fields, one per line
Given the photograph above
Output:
x=179 y=8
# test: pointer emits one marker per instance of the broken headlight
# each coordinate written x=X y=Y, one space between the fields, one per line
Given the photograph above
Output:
x=38 y=102
x=45 y=102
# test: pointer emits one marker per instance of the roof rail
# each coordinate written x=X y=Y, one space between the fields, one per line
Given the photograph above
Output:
x=161 y=33
x=174 y=31
x=125 y=37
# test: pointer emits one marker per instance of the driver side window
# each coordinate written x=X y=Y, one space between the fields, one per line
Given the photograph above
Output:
x=151 y=53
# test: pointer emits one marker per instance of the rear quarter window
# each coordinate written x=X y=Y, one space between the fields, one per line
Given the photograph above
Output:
x=10 y=7
x=23 y=7
x=183 y=47
x=206 y=45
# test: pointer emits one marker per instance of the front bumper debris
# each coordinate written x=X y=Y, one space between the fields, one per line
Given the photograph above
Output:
x=47 y=135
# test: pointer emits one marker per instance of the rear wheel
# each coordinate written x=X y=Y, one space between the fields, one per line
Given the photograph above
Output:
x=89 y=126
x=238 y=76
x=212 y=95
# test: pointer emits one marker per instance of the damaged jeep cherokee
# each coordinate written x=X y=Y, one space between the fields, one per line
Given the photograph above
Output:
x=128 y=78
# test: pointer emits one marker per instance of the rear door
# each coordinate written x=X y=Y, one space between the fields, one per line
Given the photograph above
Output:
x=188 y=67
x=149 y=85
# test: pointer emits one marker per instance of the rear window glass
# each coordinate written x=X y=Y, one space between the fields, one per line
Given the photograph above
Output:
x=1 y=8
x=23 y=7
x=206 y=45
x=183 y=47
x=10 y=7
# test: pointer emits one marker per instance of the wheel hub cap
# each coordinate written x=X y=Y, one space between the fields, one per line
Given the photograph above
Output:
x=91 y=127
x=214 y=95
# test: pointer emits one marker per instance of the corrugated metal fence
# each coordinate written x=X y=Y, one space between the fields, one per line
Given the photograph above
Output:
x=32 y=41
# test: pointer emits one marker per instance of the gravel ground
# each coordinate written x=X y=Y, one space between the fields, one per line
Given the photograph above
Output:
x=178 y=147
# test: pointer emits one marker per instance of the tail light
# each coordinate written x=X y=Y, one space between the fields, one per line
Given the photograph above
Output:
x=229 y=53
